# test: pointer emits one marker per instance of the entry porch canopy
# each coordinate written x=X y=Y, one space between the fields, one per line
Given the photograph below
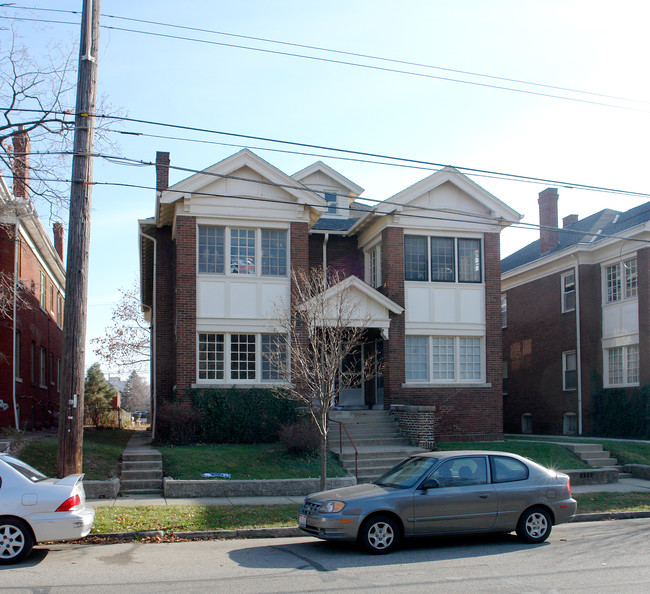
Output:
x=357 y=304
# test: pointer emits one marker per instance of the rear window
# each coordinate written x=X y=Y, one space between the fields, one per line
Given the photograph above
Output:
x=506 y=470
x=26 y=470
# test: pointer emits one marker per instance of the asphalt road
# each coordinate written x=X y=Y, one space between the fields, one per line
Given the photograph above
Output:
x=594 y=557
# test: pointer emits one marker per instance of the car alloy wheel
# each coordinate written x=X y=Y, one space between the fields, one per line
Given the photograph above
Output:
x=380 y=535
x=534 y=525
x=16 y=541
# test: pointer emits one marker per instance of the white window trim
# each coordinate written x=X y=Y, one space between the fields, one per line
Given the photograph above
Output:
x=504 y=310
x=565 y=354
x=563 y=292
x=428 y=280
x=457 y=381
x=227 y=375
x=227 y=252
x=625 y=383
x=620 y=265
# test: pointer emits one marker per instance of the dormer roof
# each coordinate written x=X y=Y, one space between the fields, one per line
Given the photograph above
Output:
x=334 y=175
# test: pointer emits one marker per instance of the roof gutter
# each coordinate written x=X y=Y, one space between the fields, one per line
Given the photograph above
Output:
x=15 y=308
x=578 y=346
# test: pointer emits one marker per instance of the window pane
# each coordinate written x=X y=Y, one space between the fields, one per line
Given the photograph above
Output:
x=442 y=259
x=469 y=260
x=242 y=356
x=615 y=360
x=274 y=253
x=242 y=251
x=631 y=277
x=331 y=203
x=211 y=250
x=570 y=363
x=443 y=358
x=504 y=310
x=210 y=356
x=375 y=267
x=274 y=356
x=470 y=358
x=415 y=258
x=417 y=358
x=633 y=364
x=613 y=283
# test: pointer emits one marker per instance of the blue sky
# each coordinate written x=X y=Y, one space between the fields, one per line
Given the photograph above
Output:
x=586 y=45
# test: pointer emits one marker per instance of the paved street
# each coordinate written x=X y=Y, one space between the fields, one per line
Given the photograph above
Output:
x=595 y=557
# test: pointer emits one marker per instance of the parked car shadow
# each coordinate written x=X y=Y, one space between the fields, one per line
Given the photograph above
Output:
x=328 y=556
x=37 y=556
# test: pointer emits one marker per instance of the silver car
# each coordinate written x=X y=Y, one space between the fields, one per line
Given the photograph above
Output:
x=444 y=493
x=34 y=508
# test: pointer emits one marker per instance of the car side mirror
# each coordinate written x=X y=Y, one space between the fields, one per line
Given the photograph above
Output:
x=429 y=483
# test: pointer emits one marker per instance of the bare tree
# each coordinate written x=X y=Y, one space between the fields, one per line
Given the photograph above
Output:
x=126 y=342
x=321 y=329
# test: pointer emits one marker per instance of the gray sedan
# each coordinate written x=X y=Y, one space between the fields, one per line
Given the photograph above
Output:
x=444 y=493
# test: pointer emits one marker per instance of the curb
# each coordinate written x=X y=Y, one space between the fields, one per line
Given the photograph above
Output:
x=289 y=532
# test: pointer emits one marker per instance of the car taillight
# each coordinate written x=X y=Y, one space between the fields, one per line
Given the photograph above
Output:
x=69 y=503
x=568 y=486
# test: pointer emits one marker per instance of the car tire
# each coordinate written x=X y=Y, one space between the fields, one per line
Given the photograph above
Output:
x=534 y=525
x=379 y=535
x=16 y=540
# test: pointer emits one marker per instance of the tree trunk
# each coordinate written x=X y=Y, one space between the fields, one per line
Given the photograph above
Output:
x=323 y=461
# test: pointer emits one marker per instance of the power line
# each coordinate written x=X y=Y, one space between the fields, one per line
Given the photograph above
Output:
x=409 y=161
x=338 y=52
x=344 y=63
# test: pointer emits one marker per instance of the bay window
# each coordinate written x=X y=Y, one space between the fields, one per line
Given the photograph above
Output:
x=442 y=259
x=622 y=365
x=443 y=359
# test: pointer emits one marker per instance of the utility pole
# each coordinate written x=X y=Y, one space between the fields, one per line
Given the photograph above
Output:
x=71 y=407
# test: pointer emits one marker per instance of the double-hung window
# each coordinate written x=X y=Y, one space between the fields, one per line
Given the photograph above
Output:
x=374 y=266
x=443 y=359
x=247 y=248
x=442 y=259
x=569 y=370
x=504 y=310
x=241 y=357
x=621 y=280
x=622 y=365
x=331 y=200
x=568 y=291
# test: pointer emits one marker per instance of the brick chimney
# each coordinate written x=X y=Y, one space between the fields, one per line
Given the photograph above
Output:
x=58 y=239
x=22 y=148
x=162 y=171
x=548 y=233
x=569 y=220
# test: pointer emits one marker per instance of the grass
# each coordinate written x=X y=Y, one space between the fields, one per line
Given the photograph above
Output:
x=182 y=518
x=626 y=452
x=547 y=454
x=102 y=451
x=179 y=518
x=243 y=462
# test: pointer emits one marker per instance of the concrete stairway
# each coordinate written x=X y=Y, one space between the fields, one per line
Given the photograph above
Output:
x=141 y=466
x=377 y=437
x=592 y=454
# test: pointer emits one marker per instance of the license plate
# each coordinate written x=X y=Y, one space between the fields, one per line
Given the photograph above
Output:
x=302 y=520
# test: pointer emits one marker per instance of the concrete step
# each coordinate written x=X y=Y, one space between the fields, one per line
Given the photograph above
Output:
x=600 y=462
x=586 y=456
x=141 y=457
x=583 y=448
x=128 y=486
x=141 y=474
x=143 y=492
x=142 y=465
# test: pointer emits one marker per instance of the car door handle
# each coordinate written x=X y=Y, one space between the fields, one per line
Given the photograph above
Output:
x=484 y=496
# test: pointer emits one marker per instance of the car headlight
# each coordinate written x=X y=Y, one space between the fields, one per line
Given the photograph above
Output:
x=332 y=507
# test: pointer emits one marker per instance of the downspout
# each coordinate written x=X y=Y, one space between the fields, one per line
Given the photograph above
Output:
x=154 y=311
x=578 y=347
x=325 y=240
x=16 y=272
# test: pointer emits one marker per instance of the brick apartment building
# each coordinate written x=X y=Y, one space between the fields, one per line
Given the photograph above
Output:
x=576 y=317
x=31 y=268
x=425 y=264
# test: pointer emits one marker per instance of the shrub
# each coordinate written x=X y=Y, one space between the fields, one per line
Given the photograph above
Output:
x=177 y=423
x=241 y=415
x=300 y=438
x=622 y=413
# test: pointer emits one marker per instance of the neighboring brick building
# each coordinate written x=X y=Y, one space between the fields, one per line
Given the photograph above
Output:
x=576 y=317
x=216 y=257
x=30 y=325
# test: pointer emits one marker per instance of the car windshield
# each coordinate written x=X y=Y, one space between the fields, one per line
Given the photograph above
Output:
x=25 y=469
x=406 y=473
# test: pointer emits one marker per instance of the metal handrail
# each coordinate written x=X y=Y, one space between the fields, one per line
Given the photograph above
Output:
x=356 y=452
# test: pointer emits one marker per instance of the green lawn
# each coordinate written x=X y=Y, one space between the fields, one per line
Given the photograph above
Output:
x=547 y=454
x=102 y=450
x=243 y=462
